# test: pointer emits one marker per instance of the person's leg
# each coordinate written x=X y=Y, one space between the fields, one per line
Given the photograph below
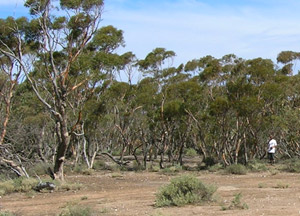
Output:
x=272 y=158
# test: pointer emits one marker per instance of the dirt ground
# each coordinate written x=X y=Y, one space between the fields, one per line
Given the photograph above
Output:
x=133 y=193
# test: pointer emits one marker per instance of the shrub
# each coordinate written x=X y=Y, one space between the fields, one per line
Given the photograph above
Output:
x=20 y=184
x=292 y=165
x=76 y=210
x=190 y=152
x=257 y=166
x=236 y=203
x=237 y=169
x=215 y=168
x=281 y=185
x=172 y=170
x=39 y=169
x=137 y=167
x=7 y=187
x=184 y=190
x=99 y=165
x=6 y=213
x=70 y=186
x=209 y=161
x=154 y=168
x=23 y=184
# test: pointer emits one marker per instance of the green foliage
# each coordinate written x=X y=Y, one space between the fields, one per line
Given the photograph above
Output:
x=99 y=165
x=281 y=185
x=39 y=169
x=6 y=213
x=184 y=190
x=20 y=184
x=69 y=186
x=82 y=169
x=236 y=203
x=76 y=210
x=209 y=161
x=237 y=169
x=154 y=168
x=171 y=170
x=137 y=167
x=256 y=166
x=292 y=165
x=190 y=152
x=215 y=167
x=287 y=56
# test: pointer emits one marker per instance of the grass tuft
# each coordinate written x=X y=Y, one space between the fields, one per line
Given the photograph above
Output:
x=237 y=169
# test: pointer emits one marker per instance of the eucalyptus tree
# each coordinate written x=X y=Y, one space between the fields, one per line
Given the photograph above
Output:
x=10 y=74
x=64 y=37
x=157 y=65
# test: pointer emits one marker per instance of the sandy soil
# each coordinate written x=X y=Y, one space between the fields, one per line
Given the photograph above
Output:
x=133 y=193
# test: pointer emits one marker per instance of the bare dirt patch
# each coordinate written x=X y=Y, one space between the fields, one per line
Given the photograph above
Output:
x=133 y=193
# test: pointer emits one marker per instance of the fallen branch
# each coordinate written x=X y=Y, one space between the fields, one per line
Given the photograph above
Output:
x=115 y=160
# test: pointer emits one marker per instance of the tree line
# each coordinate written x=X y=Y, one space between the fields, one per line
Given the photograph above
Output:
x=60 y=98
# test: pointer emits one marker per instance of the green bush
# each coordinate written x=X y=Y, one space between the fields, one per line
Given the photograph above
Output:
x=172 y=170
x=7 y=187
x=292 y=165
x=209 y=161
x=154 y=168
x=137 y=167
x=39 y=169
x=190 y=152
x=237 y=169
x=6 y=213
x=215 y=168
x=236 y=203
x=99 y=165
x=23 y=184
x=20 y=184
x=76 y=210
x=69 y=186
x=184 y=190
x=257 y=166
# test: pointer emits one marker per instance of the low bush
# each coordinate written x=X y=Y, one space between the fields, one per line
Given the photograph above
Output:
x=281 y=185
x=100 y=165
x=137 y=167
x=20 y=184
x=39 y=169
x=76 y=210
x=215 y=168
x=292 y=165
x=154 y=168
x=257 y=166
x=237 y=169
x=6 y=213
x=69 y=186
x=209 y=161
x=190 y=152
x=236 y=203
x=184 y=190
x=172 y=170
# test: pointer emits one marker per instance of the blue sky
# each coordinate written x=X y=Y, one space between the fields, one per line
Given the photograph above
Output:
x=196 y=28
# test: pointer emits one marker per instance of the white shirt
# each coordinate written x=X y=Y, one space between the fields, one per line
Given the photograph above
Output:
x=272 y=145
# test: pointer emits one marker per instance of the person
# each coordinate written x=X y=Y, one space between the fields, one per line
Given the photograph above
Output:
x=272 y=149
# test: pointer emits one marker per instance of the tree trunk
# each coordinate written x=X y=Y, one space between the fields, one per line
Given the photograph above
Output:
x=63 y=142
